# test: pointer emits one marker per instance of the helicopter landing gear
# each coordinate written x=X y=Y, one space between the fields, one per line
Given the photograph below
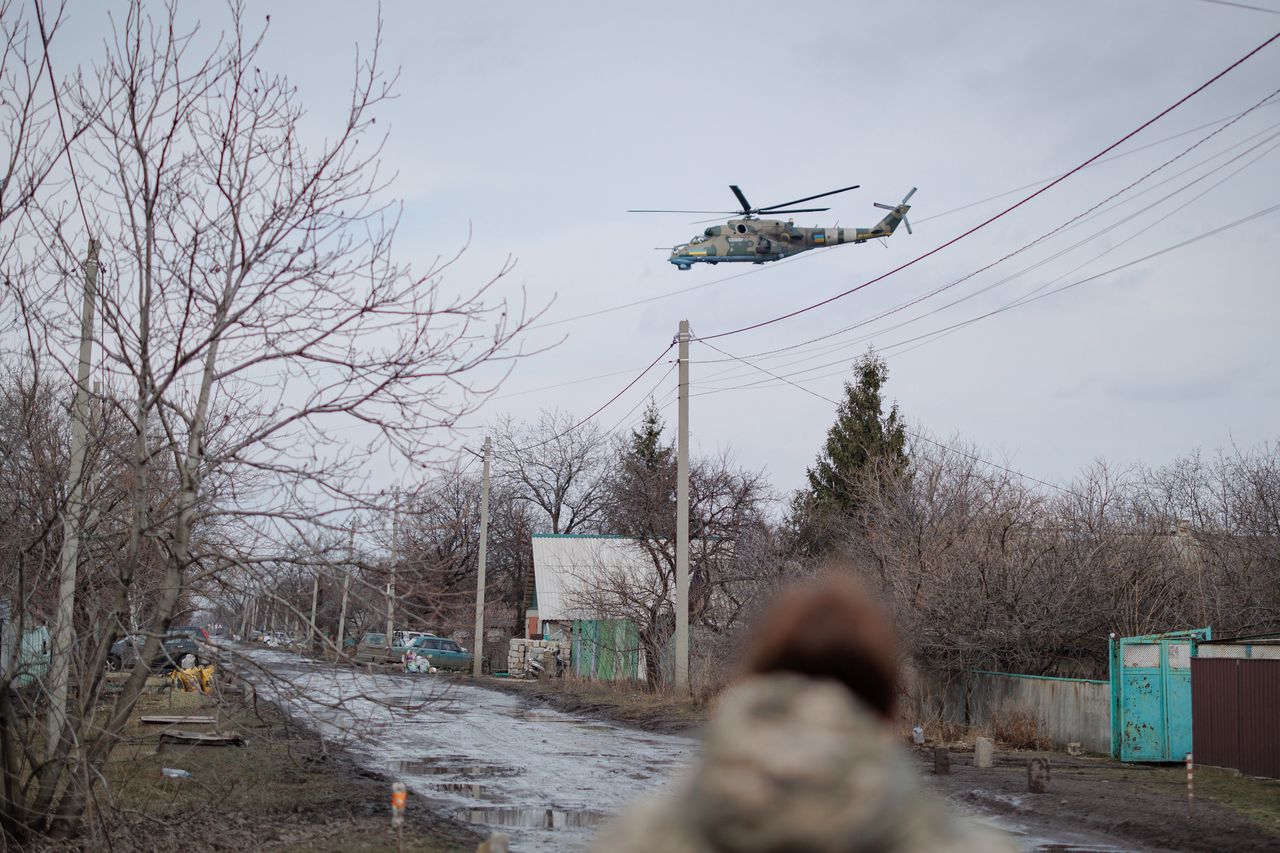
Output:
x=682 y=267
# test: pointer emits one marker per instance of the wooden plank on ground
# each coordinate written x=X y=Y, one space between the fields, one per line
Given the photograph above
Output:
x=164 y=719
x=199 y=739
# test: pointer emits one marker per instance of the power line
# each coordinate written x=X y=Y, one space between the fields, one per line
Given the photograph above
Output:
x=626 y=419
x=1037 y=296
x=679 y=292
x=1110 y=159
x=1242 y=6
x=566 y=384
x=1034 y=296
x=605 y=405
x=775 y=266
x=1221 y=126
x=1104 y=232
x=57 y=106
x=907 y=431
x=1007 y=210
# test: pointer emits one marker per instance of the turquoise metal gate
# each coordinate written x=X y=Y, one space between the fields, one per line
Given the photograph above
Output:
x=1151 y=695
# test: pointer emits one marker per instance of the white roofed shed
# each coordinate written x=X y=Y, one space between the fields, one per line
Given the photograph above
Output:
x=574 y=574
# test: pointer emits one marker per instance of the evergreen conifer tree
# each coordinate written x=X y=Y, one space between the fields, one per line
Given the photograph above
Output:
x=862 y=438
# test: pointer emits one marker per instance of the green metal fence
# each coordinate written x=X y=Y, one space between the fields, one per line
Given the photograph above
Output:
x=606 y=649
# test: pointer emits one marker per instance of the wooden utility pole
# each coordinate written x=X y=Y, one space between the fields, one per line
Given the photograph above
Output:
x=64 y=634
x=395 y=557
x=346 y=589
x=477 y=651
x=682 y=520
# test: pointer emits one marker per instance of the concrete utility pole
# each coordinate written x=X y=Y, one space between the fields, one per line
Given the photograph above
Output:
x=346 y=589
x=395 y=557
x=60 y=657
x=477 y=652
x=682 y=518
x=315 y=599
x=248 y=611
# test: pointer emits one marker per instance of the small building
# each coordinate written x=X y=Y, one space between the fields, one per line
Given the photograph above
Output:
x=1235 y=704
x=584 y=586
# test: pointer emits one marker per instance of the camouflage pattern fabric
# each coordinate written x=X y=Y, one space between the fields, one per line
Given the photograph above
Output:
x=797 y=764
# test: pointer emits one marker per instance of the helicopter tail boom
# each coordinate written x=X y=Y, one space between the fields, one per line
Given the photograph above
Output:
x=897 y=214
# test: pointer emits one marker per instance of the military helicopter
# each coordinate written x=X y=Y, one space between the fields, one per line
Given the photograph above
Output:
x=749 y=238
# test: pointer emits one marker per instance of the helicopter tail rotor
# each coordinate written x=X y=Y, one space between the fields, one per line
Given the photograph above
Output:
x=900 y=208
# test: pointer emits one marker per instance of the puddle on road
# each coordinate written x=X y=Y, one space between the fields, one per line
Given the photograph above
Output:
x=472 y=789
x=537 y=818
x=454 y=766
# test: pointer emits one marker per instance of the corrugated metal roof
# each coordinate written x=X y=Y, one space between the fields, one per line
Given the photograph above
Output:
x=571 y=571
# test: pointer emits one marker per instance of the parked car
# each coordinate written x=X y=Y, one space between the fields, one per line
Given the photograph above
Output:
x=125 y=652
x=175 y=652
x=442 y=652
x=373 y=648
x=191 y=632
x=406 y=638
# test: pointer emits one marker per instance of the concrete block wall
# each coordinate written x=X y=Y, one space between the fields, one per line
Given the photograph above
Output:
x=1067 y=709
x=522 y=651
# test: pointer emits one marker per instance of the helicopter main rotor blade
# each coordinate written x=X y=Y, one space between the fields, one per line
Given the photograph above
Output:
x=721 y=212
x=742 y=199
x=795 y=210
x=773 y=208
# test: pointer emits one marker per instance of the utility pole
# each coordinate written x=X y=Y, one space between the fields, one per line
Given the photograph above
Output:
x=248 y=611
x=346 y=589
x=395 y=557
x=60 y=657
x=477 y=653
x=315 y=599
x=682 y=519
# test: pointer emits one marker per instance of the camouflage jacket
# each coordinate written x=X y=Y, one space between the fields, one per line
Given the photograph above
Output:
x=797 y=764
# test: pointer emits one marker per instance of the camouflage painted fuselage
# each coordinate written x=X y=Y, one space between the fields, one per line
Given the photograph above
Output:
x=759 y=240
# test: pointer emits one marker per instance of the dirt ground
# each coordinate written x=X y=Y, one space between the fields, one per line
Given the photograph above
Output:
x=1137 y=807
x=626 y=705
x=1101 y=803
x=286 y=792
x=283 y=791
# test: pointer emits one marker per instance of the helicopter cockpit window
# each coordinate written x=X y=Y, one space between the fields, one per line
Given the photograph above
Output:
x=698 y=239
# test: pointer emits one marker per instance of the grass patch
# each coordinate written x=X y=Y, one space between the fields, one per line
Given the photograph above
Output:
x=624 y=702
x=284 y=791
x=1255 y=799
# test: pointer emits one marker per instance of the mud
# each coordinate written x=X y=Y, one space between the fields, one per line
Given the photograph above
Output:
x=1095 y=804
x=496 y=762
x=641 y=712
x=482 y=757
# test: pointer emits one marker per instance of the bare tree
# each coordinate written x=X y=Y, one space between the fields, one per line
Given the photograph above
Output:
x=557 y=468
x=439 y=548
x=727 y=525
x=259 y=340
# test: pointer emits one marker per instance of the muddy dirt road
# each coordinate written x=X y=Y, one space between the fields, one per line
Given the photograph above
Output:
x=546 y=777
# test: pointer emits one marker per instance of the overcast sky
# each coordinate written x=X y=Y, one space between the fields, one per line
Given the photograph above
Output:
x=533 y=127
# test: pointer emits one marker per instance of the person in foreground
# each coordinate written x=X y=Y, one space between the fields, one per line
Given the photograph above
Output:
x=800 y=753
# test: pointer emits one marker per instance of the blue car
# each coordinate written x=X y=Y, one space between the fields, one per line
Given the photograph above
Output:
x=442 y=652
